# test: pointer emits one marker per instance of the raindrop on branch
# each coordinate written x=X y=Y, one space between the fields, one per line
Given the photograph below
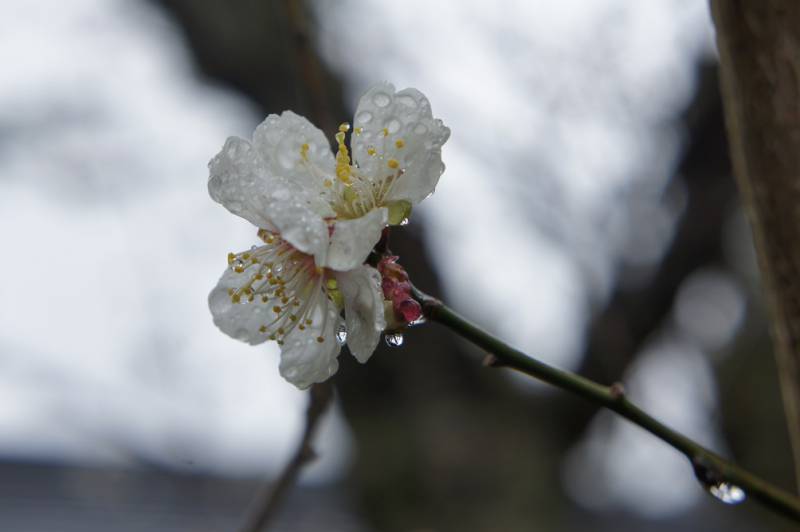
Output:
x=713 y=482
x=727 y=492
x=394 y=339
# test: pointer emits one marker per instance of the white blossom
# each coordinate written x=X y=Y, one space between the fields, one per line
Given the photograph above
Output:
x=319 y=216
x=289 y=182
x=275 y=292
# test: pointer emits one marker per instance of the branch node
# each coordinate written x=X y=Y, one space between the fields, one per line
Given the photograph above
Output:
x=617 y=391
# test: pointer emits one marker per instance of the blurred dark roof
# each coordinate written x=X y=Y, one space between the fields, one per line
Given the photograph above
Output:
x=57 y=498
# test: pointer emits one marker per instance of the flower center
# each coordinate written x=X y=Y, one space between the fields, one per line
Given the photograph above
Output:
x=353 y=193
x=286 y=285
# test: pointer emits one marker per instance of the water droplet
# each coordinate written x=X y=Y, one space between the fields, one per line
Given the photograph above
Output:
x=237 y=265
x=394 y=339
x=281 y=194
x=393 y=126
x=287 y=159
x=341 y=334
x=727 y=492
x=418 y=321
x=710 y=478
x=406 y=100
x=381 y=99
x=363 y=117
x=404 y=221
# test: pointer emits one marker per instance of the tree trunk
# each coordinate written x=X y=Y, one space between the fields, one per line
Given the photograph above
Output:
x=759 y=48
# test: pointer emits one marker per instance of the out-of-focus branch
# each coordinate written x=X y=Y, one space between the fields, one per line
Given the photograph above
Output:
x=268 y=501
x=759 y=47
x=710 y=468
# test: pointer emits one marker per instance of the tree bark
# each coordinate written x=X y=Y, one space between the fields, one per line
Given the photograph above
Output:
x=759 y=48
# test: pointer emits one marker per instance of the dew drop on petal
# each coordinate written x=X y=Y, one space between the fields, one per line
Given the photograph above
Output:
x=406 y=100
x=237 y=265
x=394 y=339
x=393 y=125
x=286 y=159
x=281 y=194
x=727 y=492
x=363 y=117
x=381 y=99
x=341 y=334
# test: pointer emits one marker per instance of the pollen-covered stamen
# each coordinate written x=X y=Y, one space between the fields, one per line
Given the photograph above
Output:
x=352 y=193
x=343 y=168
x=285 y=283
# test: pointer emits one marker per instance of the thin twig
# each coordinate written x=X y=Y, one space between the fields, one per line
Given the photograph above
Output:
x=270 y=498
x=709 y=467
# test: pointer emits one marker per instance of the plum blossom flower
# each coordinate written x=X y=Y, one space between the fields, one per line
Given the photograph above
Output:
x=288 y=181
x=319 y=216
x=275 y=292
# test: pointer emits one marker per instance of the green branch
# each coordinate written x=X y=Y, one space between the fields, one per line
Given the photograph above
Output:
x=711 y=469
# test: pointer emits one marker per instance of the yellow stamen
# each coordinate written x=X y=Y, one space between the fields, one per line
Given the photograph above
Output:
x=343 y=168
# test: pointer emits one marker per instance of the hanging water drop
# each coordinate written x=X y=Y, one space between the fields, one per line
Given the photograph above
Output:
x=341 y=334
x=712 y=481
x=418 y=321
x=394 y=339
x=727 y=492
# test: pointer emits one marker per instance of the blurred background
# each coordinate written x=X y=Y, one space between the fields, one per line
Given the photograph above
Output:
x=587 y=215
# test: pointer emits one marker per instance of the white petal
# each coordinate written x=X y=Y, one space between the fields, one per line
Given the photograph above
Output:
x=279 y=141
x=242 y=183
x=237 y=181
x=363 y=309
x=275 y=292
x=399 y=126
x=352 y=240
x=304 y=359
x=238 y=320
